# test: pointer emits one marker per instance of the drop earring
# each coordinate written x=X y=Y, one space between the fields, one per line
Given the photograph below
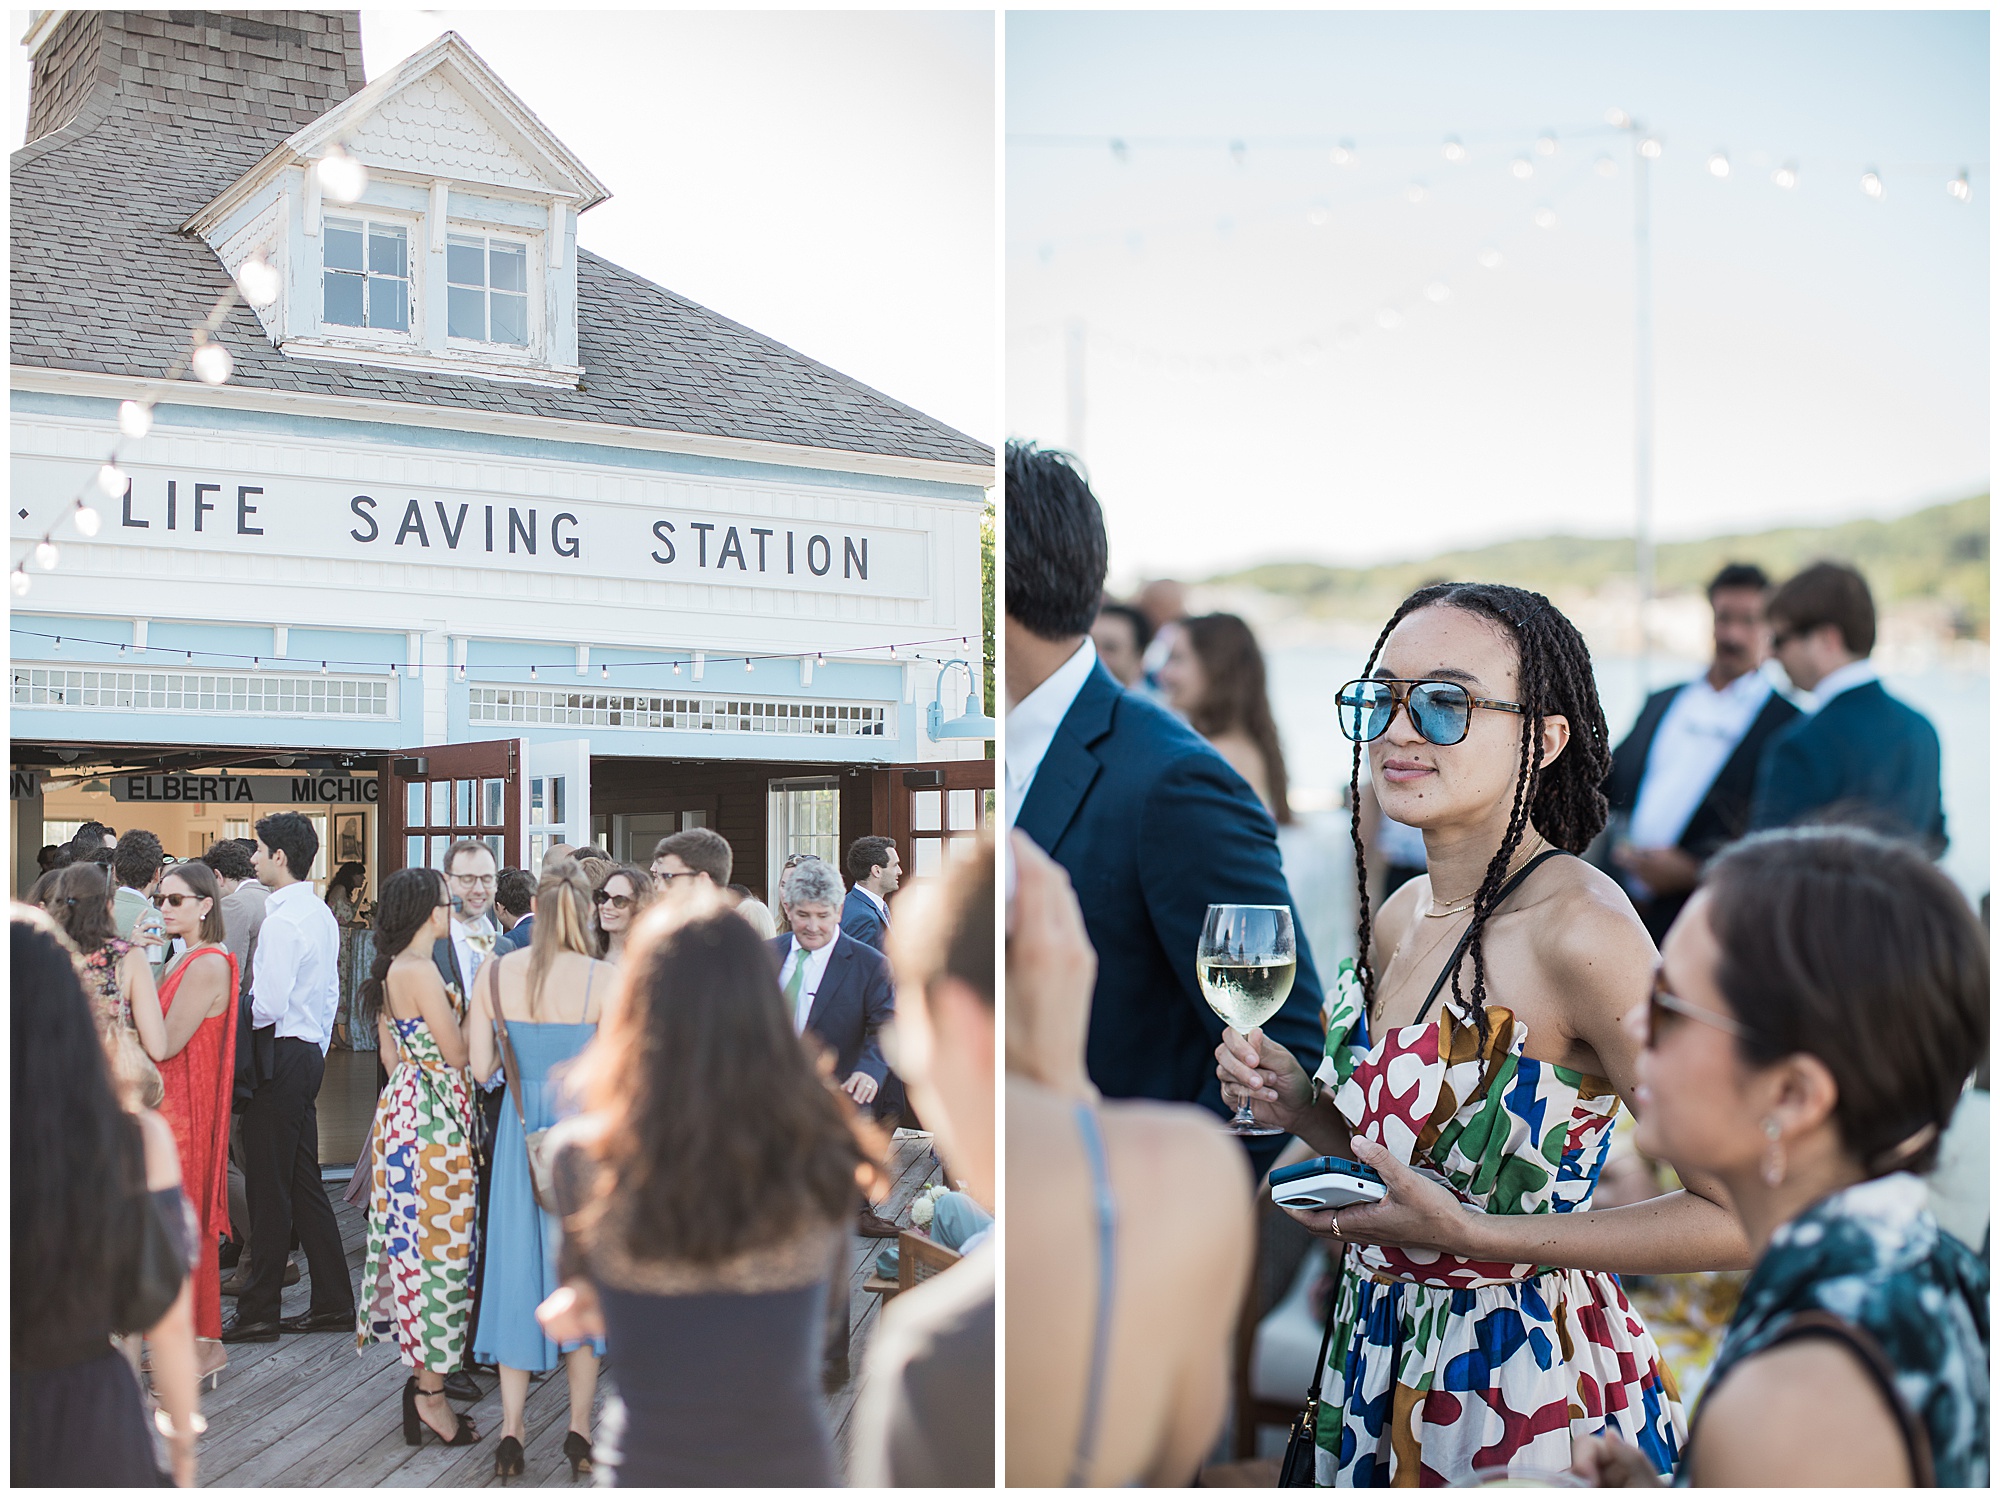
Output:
x=1774 y=1157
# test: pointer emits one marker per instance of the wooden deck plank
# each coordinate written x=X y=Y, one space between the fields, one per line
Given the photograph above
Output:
x=309 y=1411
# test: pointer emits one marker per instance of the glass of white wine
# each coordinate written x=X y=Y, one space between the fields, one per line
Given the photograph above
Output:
x=1245 y=964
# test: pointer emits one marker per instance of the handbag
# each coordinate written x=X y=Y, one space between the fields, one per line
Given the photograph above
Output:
x=157 y=1270
x=541 y=1163
x=1301 y=1465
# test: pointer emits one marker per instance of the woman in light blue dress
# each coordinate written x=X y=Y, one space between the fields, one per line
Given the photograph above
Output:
x=550 y=998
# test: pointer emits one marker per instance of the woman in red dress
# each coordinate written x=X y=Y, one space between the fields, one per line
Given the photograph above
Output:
x=191 y=1033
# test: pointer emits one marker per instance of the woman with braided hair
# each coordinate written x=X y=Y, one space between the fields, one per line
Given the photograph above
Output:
x=1476 y=1054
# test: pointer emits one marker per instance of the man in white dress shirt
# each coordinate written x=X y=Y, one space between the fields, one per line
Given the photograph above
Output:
x=294 y=994
x=1683 y=777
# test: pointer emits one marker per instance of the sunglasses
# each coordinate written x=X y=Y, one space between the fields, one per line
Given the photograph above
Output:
x=605 y=897
x=1665 y=1009
x=1440 y=711
x=177 y=901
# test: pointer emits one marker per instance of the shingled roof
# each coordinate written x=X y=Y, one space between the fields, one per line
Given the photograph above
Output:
x=147 y=116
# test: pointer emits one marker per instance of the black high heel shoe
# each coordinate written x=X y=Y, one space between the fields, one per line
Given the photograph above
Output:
x=509 y=1460
x=414 y=1425
x=577 y=1449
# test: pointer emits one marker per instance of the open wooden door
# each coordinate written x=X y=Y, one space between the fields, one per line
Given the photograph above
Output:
x=434 y=796
x=937 y=811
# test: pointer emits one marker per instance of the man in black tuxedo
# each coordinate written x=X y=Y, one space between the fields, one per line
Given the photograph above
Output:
x=1152 y=824
x=837 y=988
x=1680 y=783
x=1860 y=756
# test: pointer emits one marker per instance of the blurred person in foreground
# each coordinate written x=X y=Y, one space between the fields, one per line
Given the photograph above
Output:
x=1681 y=781
x=1859 y=755
x=547 y=1007
x=925 y=1415
x=1129 y=1240
x=1152 y=824
x=704 y=1193
x=1121 y=634
x=1477 y=1052
x=1817 y=1009
x=1214 y=677
x=86 y=1175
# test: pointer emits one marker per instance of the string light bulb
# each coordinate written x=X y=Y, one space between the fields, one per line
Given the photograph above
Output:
x=46 y=555
x=1960 y=187
x=258 y=280
x=534 y=673
x=1545 y=217
x=1545 y=143
x=135 y=418
x=1786 y=176
x=58 y=649
x=1650 y=148
x=322 y=670
x=1388 y=319
x=1718 y=163
x=211 y=361
x=603 y=672
x=20 y=582
x=1523 y=168
x=1617 y=119
x=111 y=480
x=1606 y=167
x=1343 y=154
x=88 y=521
x=1438 y=292
x=461 y=672
x=748 y=665
x=1871 y=184
x=1454 y=149
x=820 y=659
x=341 y=177
x=1490 y=258
x=1415 y=192
x=677 y=668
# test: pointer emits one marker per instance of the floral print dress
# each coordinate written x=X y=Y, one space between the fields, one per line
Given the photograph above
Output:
x=1873 y=1259
x=416 y=1280
x=1440 y=1365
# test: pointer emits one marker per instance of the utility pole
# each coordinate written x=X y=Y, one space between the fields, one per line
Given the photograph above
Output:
x=1074 y=344
x=1644 y=149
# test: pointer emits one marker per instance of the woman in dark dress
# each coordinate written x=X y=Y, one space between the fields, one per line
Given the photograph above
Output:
x=705 y=1195
x=1819 y=1005
x=84 y=1174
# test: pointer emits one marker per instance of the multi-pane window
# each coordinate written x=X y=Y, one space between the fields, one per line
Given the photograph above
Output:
x=367 y=278
x=486 y=283
x=805 y=818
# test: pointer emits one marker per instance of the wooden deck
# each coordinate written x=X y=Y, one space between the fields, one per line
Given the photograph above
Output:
x=308 y=1411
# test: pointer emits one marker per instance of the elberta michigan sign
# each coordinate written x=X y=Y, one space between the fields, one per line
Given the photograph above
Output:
x=247 y=515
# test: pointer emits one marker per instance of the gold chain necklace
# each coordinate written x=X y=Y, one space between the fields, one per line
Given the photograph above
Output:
x=1450 y=908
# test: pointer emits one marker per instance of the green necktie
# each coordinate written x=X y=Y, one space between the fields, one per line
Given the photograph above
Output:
x=796 y=985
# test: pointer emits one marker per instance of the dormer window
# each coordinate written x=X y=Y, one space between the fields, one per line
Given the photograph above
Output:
x=487 y=286
x=367 y=274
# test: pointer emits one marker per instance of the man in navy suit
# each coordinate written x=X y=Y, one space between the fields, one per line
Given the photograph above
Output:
x=1860 y=756
x=1681 y=781
x=876 y=869
x=837 y=988
x=1151 y=823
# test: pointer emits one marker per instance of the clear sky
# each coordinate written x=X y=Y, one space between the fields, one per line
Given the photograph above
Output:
x=1820 y=354
x=825 y=178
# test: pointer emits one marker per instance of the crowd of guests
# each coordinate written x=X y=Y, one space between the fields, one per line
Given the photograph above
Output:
x=1795 y=1056
x=728 y=1133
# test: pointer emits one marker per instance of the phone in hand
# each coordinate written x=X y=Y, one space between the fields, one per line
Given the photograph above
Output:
x=1329 y=1181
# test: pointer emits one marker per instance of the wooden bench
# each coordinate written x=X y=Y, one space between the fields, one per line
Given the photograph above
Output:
x=918 y=1257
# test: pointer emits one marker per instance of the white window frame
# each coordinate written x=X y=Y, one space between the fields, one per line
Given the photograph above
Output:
x=416 y=251
x=780 y=837
x=536 y=292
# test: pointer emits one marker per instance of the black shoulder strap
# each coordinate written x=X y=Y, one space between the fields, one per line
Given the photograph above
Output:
x=1458 y=952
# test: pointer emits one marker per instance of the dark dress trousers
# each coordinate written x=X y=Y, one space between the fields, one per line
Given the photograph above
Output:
x=1154 y=826
x=1864 y=758
x=861 y=920
x=854 y=1000
x=1722 y=815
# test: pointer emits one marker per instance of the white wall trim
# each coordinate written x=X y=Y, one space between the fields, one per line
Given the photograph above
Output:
x=461 y=419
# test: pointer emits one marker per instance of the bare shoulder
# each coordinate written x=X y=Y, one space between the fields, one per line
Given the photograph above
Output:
x=1586 y=933
x=1181 y=1143
x=1805 y=1413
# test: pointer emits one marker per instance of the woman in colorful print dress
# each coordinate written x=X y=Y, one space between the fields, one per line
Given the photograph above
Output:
x=1820 y=1003
x=1475 y=1058
x=414 y=1283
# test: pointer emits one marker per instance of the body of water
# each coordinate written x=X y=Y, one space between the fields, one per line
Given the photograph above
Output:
x=1304 y=679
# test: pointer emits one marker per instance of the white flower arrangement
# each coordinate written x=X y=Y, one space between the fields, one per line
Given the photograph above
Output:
x=923 y=1207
